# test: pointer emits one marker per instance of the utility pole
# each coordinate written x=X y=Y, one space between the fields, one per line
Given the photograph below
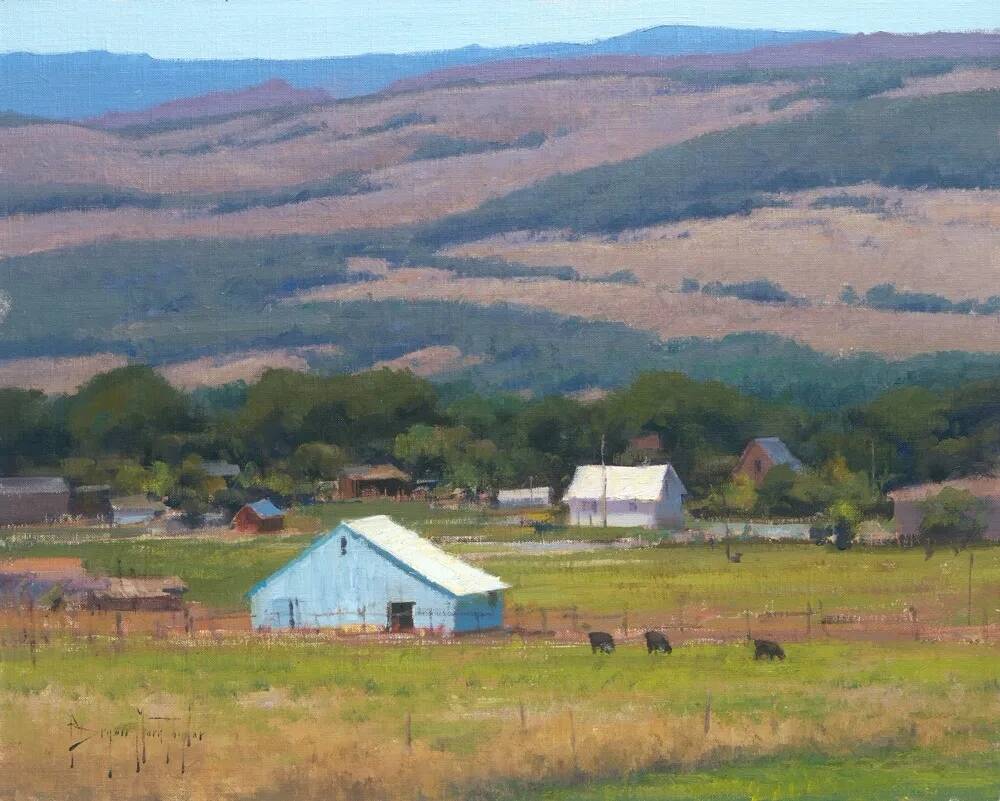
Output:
x=971 y=560
x=604 y=487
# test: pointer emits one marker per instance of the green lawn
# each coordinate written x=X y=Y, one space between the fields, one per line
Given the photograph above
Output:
x=835 y=721
x=918 y=775
x=771 y=577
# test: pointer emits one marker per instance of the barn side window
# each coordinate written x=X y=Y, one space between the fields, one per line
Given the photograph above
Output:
x=492 y=598
x=343 y=546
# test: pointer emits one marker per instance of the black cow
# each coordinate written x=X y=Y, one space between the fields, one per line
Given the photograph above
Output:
x=767 y=648
x=601 y=641
x=655 y=641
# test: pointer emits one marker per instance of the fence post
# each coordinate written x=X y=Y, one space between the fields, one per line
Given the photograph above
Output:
x=572 y=741
x=524 y=722
x=625 y=622
x=708 y=712
x=409 y=731
x=809 y=620
x=545 y=620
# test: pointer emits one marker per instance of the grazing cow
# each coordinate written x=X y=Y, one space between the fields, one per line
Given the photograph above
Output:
x=767 y=648
x=601 y=641
x=657 y=642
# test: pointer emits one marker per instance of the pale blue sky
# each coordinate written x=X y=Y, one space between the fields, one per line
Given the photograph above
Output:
x=313 y=28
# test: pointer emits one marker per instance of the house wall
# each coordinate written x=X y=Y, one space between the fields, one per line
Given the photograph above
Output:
x=667 y=513
x=907 y=517
x=33 y=508
x=748 y=464
x=329 y=589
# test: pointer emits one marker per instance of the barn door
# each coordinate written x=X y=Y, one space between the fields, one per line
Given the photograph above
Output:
x=401 y=616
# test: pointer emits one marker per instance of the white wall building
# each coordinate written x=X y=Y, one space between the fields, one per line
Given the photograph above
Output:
x=650 y=497
x=524 y=498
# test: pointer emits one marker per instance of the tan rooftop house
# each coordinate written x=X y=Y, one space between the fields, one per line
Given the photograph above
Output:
x=373 y=480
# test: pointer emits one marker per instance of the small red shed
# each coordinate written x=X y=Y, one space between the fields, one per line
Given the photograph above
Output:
x=259 y=516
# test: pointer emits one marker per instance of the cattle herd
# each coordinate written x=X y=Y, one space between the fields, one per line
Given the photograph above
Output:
x=657 y=642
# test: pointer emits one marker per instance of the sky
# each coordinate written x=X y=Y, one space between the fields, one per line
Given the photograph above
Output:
x=316 y=28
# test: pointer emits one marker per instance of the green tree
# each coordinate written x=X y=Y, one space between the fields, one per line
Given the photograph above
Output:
x=844 y=517
x=124 y=411
x=953 y=518
x=317 y=461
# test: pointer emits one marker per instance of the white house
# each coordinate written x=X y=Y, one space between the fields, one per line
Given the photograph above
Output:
x=373 y=572
x=651 y=497
x=524 y=498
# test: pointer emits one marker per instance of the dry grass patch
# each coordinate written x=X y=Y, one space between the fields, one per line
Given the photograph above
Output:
x=56 y=374
x=589 y=122
x=669 y=314
x=431 y=361
x=946 y=242
x=965 y=80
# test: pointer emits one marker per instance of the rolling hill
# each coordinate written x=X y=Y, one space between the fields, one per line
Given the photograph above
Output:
x=79 y=85
x=841 y=208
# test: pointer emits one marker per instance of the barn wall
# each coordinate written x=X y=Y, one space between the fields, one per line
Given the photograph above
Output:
x=670 y=510
x=621 y=514
x=754 y=452
x=328 y=589
x=479 y=612
x=33 y=508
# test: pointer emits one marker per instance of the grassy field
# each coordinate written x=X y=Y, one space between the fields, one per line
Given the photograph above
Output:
x=693 y=581
x=918 y=775
x=333 y=715
x=881 y=716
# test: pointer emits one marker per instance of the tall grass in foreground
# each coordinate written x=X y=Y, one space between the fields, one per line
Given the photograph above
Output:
x=291 y=718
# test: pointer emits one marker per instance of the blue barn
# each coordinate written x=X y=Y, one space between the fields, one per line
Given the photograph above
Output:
x=373 y=573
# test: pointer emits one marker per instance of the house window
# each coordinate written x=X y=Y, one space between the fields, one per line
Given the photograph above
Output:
x=492 y=597
x=758 y=466
x=633 y=506
x=593 y=506
x=343 y=546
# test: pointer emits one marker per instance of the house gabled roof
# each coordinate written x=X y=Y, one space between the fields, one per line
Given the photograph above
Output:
x=623 y=483
x=265 y=509
x=221 y=469
x=375 y=472
x=407 y=547
x=33 y=485
x=778 y=452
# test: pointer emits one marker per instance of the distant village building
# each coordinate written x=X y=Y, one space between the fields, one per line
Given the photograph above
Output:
x=138 y=593
x=64 y=580
x=369 y=481
x=907 y=512
x=525 y=498
x=763 y=454
x=260 y=516
x=221 y=469
x=373 y=572
x=33 y=499
x=130 y=510
x=650 y=497
x=92 y=501
x=30 y=580
x=650 y=443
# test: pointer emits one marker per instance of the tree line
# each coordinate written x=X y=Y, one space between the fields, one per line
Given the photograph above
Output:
x=289 y=431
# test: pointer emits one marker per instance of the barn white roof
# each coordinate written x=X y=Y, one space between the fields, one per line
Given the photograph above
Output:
x=624 y=483
x=424 y=557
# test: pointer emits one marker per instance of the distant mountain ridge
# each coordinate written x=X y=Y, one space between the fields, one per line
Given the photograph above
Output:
x=847 y=49
x=89 y=84
x=274 y=93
